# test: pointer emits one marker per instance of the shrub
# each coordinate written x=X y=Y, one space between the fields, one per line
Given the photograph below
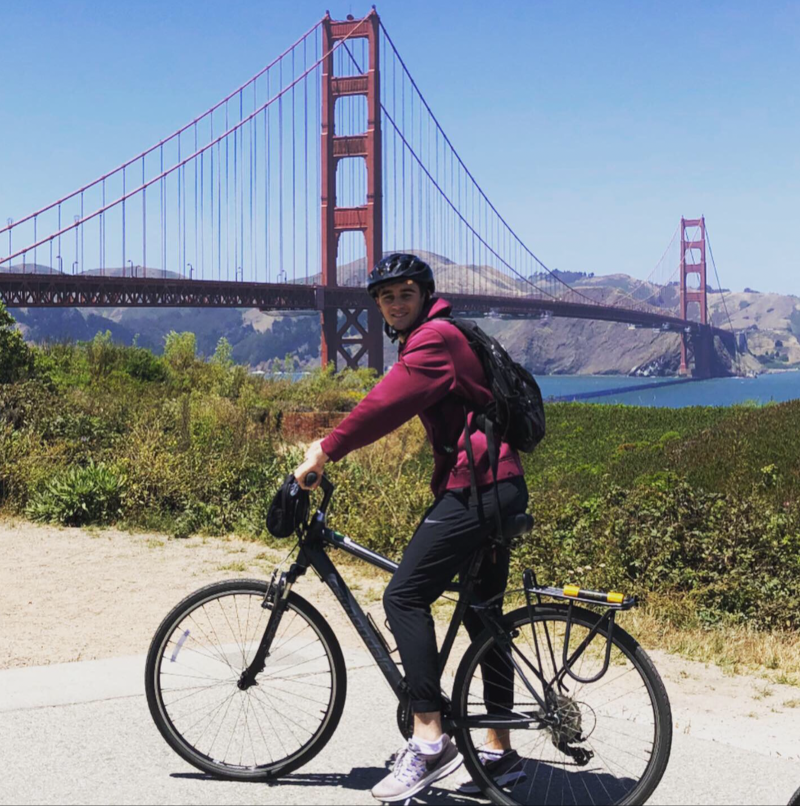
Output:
x=16 y=358
x=142 y=365
x=180 y=350
x=79 y=496
x=102 y=354
x=733 y=558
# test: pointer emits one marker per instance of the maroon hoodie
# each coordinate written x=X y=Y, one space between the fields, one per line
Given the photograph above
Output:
x=436 y=371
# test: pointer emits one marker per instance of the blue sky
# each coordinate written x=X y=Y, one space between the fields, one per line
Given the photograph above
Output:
x=592 y=126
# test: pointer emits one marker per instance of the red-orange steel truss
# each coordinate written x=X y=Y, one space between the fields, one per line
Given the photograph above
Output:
x=351 y=332
x=693 y=263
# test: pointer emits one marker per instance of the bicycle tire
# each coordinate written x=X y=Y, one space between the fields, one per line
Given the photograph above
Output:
x=526 y=785
x=795 y=801
x=314 y=696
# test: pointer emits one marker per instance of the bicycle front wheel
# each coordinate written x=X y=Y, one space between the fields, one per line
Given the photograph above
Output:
x=602 y=742
x=196 y=659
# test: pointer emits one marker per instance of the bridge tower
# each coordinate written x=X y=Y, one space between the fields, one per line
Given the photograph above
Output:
x=693 y=264
x=366 y=337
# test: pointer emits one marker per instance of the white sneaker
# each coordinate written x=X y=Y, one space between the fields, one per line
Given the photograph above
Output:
x=414 y=771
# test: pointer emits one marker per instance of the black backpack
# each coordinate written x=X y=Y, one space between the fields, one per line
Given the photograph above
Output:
x=516 y=413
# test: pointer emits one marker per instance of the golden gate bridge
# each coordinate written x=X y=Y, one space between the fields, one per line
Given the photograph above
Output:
x=283 y=194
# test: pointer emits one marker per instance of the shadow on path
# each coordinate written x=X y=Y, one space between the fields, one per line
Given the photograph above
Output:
x=359 y=779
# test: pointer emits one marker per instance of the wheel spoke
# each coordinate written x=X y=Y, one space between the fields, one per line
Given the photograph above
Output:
x=238 y=732
x=595 y=742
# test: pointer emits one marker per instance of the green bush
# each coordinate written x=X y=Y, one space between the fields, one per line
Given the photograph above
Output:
x=79 y=496
x=16 y=358
x=734 y=558
x=142 y=365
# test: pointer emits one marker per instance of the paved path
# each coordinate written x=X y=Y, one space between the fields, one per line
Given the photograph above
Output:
x=81 y=733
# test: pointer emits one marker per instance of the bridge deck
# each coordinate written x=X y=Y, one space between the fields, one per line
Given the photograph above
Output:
x=63 y=290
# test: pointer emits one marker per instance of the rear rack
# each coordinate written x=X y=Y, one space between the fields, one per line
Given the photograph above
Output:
x=572 y=593
x=613 y=602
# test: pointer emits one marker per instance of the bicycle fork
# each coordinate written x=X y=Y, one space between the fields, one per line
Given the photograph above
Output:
x=277 y=595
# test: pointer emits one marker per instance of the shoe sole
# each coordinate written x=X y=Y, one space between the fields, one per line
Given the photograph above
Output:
x=448 y=769
x=502 y=780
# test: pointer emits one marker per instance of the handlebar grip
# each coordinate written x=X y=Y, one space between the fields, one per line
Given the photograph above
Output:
x=311 y=478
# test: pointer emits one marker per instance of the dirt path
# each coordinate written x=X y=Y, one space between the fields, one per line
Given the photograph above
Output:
x=74 y=594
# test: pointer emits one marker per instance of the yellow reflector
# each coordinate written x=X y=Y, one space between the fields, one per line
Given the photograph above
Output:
x=616 y=598
x=571 y=590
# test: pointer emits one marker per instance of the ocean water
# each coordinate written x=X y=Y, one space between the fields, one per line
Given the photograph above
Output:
x=776 y=387
x=666 y=392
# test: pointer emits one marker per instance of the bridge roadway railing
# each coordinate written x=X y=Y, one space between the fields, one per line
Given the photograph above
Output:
x=63 y=290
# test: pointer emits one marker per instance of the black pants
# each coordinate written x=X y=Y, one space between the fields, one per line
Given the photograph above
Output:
x=449 y=534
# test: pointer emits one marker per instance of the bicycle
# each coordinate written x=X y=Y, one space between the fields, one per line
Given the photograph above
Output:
x=795 y=800
x=246 y=680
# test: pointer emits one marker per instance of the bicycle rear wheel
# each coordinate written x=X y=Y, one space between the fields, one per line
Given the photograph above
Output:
x=606 y=742
x=195 y=662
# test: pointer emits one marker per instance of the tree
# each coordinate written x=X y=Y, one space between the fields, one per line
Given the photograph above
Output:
x=16 y=358
x=180 y=350
x=223 y=355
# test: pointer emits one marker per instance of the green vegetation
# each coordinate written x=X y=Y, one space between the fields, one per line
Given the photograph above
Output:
x=16 y=359
x=696 y=510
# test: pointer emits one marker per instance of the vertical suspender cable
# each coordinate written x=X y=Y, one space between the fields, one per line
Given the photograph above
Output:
x=412 y=212
x=123 y=222
x=103 y=233
x=252 y=134
x=219 y=211
x=211 y=198
x=241 y=181
x=182 y=211
x=280 y=172
x=227 y=202
x=178 y=242
x=406 y=245
x=254 y=221
x=196 y=255
x=144 y=221
x=294 y=188
x=161 y=219
x=266 y=186
x=203 y=215
x=235 y=203
x=306 y=163
x=83 y=253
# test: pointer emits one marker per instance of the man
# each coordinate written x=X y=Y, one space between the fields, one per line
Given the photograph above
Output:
x=436 y=373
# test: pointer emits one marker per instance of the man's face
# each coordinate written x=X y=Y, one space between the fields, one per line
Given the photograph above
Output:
x=400 y=303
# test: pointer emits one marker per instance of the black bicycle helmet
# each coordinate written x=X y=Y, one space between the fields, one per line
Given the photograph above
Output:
x=400 y=266
x=289 y=509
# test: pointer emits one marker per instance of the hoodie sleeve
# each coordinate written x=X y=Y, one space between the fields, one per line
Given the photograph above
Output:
x=422 y=376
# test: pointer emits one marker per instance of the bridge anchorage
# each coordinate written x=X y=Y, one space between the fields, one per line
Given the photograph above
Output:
x=243 y=207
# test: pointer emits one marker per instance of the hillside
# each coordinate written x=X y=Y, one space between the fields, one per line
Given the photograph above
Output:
x=770 y=324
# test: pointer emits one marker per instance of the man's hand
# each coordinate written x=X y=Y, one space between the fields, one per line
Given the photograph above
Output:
x=315 y=460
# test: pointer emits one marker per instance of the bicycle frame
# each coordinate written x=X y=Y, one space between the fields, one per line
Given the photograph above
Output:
x=313 y=543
